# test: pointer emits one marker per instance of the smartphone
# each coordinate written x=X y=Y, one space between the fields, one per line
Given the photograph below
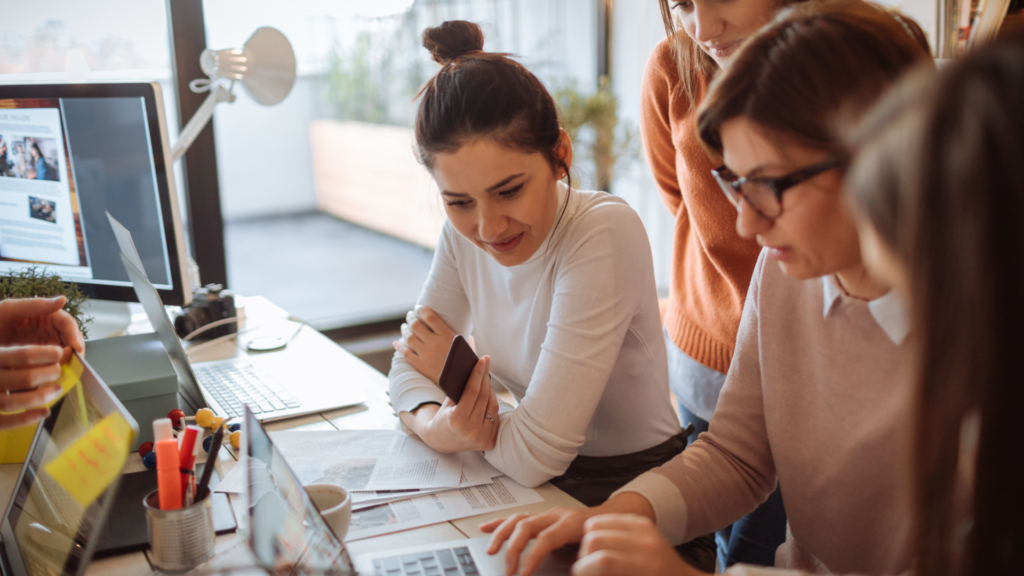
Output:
x=457 y=367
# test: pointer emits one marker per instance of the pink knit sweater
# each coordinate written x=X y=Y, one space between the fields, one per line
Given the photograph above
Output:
x=816 y=399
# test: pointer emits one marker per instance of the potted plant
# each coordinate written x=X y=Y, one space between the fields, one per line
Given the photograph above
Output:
x=32 y=282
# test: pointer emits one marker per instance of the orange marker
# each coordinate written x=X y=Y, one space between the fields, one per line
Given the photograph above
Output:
x=168 y=474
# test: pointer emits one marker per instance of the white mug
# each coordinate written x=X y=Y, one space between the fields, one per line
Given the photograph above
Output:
x=334 y=504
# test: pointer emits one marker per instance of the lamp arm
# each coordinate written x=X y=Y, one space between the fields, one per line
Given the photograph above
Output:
x=191 y=130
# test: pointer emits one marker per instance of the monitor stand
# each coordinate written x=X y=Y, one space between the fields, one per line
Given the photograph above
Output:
x=108 y=318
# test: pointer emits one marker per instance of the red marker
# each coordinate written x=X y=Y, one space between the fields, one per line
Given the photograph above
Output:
x=168 y=474
x=187 y=455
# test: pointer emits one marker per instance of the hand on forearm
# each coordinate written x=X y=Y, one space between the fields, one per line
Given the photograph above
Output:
x=470 y=425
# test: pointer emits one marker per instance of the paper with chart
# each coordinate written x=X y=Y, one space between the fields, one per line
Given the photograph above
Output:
x=501 y=494
x=368 y=460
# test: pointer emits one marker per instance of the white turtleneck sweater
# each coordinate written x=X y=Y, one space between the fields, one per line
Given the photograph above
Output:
x=574 y=333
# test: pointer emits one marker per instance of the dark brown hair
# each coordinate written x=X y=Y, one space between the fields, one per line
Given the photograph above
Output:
x=816 y=62
x=693 y=63
x=957 y=156
x=482 y=94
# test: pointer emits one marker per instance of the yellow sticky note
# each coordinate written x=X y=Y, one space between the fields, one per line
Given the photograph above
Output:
x=88 y=466
x=15 y=442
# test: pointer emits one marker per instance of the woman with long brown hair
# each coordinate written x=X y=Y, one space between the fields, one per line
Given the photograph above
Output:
x=712 y=265
x=939 y=186
x=813 y=401
x=554 y=284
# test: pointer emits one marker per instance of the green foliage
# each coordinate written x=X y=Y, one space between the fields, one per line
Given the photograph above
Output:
x=358 y=82
x=592 y=122
x=33 y=282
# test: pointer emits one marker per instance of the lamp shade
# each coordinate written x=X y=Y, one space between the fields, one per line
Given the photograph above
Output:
x=265 y=65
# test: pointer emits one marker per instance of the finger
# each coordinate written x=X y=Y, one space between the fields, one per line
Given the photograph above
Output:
x=404 y=350
x=28 y=378
x=70 y=335
x=23 y=418
x=19 y=308
x=480 y=398
x=490 y=526
x=17 y=401
x=617 y=522
x=412 y=319
x=431 y=320
x=502 y=529
x=27 y=356
x=597 y=540
x=420 y=329
x=605 y=563
x=416 y=344
x=467 y=402
x=548 y=531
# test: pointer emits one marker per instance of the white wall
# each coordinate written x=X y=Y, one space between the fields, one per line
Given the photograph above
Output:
x=263 y=159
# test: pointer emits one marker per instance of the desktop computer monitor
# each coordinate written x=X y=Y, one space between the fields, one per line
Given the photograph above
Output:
x=70 y=153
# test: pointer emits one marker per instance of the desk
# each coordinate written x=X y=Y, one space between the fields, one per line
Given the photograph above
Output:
x=264 y=318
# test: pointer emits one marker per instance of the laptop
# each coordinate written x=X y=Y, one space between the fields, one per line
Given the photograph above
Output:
x=284 y=529
x=228 y=385
x=55 y=517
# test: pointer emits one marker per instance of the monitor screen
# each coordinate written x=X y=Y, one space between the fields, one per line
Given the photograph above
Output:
x=68 y=155
x=69 y=478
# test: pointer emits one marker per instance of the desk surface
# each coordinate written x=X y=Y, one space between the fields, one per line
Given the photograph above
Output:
x=264 y=319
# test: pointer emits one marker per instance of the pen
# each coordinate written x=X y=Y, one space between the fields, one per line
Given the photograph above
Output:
x=195 y=454
x=168 y=474
x=187 y=456
x=211 y=460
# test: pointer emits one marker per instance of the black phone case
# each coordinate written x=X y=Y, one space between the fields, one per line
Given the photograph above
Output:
x=457 y=367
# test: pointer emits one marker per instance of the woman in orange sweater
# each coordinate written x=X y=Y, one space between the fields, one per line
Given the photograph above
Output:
x=712 y=264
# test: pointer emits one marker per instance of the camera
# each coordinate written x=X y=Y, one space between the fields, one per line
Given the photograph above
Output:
x=209 y=304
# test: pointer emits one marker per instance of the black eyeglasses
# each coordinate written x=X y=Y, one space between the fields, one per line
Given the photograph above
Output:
x=764 y=195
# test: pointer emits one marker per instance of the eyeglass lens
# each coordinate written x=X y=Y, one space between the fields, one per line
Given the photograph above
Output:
x=758 y=195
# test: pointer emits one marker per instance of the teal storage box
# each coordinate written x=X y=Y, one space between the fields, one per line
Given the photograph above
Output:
x=138 y=371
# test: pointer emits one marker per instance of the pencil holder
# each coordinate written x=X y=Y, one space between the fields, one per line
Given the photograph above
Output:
x=179 y=539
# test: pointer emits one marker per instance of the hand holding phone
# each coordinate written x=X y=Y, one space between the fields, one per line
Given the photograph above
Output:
x=457 y=368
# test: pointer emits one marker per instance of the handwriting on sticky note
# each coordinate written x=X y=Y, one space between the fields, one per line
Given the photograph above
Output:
x=92 y=462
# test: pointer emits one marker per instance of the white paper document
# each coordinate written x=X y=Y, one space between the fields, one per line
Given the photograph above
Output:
x=368 y=460
x=474 y=473
x=233 y=482
x=501 y=494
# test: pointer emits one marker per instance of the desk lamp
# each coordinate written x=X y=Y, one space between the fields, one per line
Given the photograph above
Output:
x=265 y=66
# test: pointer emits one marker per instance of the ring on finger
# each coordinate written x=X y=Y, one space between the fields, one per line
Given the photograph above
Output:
x=489 y=417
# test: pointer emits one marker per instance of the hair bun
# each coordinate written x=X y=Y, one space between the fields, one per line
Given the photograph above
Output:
x=452 y=39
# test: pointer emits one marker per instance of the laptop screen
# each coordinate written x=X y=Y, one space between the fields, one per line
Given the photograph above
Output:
x=69 y=478
x=286 y=532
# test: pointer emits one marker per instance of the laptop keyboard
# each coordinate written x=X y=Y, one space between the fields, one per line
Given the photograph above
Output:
x=453 y=562
x=235 y=385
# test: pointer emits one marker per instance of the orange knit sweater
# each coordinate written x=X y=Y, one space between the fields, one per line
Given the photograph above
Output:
x=711 y=264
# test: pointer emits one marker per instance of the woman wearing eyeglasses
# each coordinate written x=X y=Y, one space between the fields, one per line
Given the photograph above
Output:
x=814 y=400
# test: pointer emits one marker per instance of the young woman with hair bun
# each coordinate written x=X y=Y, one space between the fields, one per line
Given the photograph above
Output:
x=555 y=285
